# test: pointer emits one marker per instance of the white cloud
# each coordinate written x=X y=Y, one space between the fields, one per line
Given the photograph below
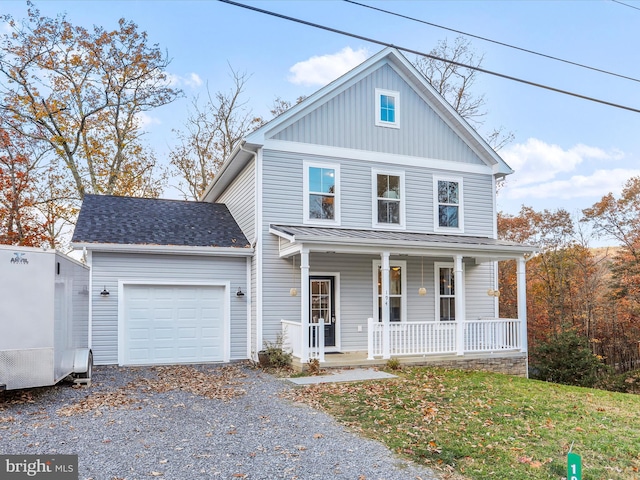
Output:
x=323 y=69
x=597 y=184
x=145 y=120
x=536 y=161
x=191 y=80
x=544 y=171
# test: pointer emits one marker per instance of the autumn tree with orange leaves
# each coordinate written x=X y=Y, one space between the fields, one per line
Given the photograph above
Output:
x=20 y=221
x=619 y=219
x=81 y=92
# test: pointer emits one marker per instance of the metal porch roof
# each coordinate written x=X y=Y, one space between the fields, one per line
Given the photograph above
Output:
x=398 y=240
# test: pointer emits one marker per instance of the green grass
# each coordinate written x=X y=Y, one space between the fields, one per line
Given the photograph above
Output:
x=487 y=426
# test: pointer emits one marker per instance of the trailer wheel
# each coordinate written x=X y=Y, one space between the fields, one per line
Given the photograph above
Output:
x=85 y=377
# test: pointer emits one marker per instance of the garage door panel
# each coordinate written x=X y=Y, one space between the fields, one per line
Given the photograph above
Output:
x=173 y=324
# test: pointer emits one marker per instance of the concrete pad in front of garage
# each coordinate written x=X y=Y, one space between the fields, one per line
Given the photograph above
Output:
x=347 y=375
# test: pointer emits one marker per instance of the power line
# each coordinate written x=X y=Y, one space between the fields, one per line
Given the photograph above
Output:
x=533 y=52
x=416 y=52
x=625 y=4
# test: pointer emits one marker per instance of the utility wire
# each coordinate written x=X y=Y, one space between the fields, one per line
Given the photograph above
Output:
x=498 y=42
x=416 y=52
x=625 y=4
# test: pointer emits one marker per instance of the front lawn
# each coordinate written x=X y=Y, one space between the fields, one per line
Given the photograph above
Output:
x=479 y=425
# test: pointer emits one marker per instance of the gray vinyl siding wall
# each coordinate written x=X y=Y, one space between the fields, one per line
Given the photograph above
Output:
x=108 y=268
x=282 y=203
x=240 y=200
x=348 y=120
x=283 y=193
x=479 y=279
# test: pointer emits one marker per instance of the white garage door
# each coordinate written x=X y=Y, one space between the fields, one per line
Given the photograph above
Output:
x=166 y=324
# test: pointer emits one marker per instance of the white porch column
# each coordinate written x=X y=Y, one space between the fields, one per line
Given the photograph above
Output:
x=386 y=337
x=522 y=301
x=304 y=303
x=459 y=292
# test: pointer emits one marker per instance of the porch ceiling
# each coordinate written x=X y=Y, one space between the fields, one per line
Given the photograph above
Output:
x=346 y=240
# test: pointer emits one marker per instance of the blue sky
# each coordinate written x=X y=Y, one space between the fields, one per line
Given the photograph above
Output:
x=567 y=152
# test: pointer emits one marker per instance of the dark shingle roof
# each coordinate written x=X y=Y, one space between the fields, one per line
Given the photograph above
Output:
x=153 y=221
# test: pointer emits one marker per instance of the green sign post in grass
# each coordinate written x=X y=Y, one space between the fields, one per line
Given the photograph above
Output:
x=574 y=466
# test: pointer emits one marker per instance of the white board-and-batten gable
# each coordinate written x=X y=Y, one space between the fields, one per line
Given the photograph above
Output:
x=341 y=116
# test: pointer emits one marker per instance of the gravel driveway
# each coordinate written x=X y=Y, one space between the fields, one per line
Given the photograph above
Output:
x=183 y=423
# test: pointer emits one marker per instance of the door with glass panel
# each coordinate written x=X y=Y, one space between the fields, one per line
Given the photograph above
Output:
x=322 y=307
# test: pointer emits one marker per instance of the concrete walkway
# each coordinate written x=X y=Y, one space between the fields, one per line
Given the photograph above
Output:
x=347 y=375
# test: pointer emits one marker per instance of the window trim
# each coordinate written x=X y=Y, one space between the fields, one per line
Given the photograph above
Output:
x=305 y=199
x=436 y=204
x=396 y=96
x=374 y=199
x=403 y=279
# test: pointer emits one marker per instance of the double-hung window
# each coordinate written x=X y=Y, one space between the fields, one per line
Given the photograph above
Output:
x=321 y=201
x=387 y=108
x=388 y=199
x=447 y=202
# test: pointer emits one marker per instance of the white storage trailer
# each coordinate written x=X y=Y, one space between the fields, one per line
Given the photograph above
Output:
x=44 y=318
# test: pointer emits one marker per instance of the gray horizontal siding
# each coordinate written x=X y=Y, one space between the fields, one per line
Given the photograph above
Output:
x=108 y=268
x=283 y=193
x=240 y=199
x=479 y=279
x=348 y=121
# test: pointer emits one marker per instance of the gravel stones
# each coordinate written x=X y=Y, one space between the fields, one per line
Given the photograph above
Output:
x=191 y=422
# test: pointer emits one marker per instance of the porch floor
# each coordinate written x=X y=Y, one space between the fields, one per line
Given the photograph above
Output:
x=502 y=362
x=359 y=359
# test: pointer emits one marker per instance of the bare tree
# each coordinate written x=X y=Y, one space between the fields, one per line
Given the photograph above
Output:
x=211 y=133
x=455 y=83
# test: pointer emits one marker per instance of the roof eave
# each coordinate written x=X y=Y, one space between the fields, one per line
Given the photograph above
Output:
x=164 y=249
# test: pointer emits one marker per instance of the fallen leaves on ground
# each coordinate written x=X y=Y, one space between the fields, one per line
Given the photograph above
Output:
x=221 y=384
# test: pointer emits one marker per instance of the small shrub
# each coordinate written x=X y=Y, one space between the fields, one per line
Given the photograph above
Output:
x=313 y=367
x=566 y=358
x=394 y=364
x=275 y=355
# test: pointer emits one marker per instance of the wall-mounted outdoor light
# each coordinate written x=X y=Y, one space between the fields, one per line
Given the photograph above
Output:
x=239 y=293
x=104 y=292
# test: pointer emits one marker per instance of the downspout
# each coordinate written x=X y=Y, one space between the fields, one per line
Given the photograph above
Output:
x=257 y=249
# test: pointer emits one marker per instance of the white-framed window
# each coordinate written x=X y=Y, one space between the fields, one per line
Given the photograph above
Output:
x=321 y=200
x=387 y=108
x=447 y=204
x=445 y=292
x=388 y=199
x=397 y=302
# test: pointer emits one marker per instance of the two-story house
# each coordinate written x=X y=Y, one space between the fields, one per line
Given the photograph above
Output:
x=368 y=231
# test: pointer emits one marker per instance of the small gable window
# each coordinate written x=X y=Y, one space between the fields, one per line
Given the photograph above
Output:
x=448 y=204
x=321 y=201
x=387 y=108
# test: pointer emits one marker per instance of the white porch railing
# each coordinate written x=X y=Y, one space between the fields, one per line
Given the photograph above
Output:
x=492 y=334
x=293 y=339
x=414 y=338
x=423 y=338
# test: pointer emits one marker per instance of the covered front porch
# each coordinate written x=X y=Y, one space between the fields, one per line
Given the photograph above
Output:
x=449 y=313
